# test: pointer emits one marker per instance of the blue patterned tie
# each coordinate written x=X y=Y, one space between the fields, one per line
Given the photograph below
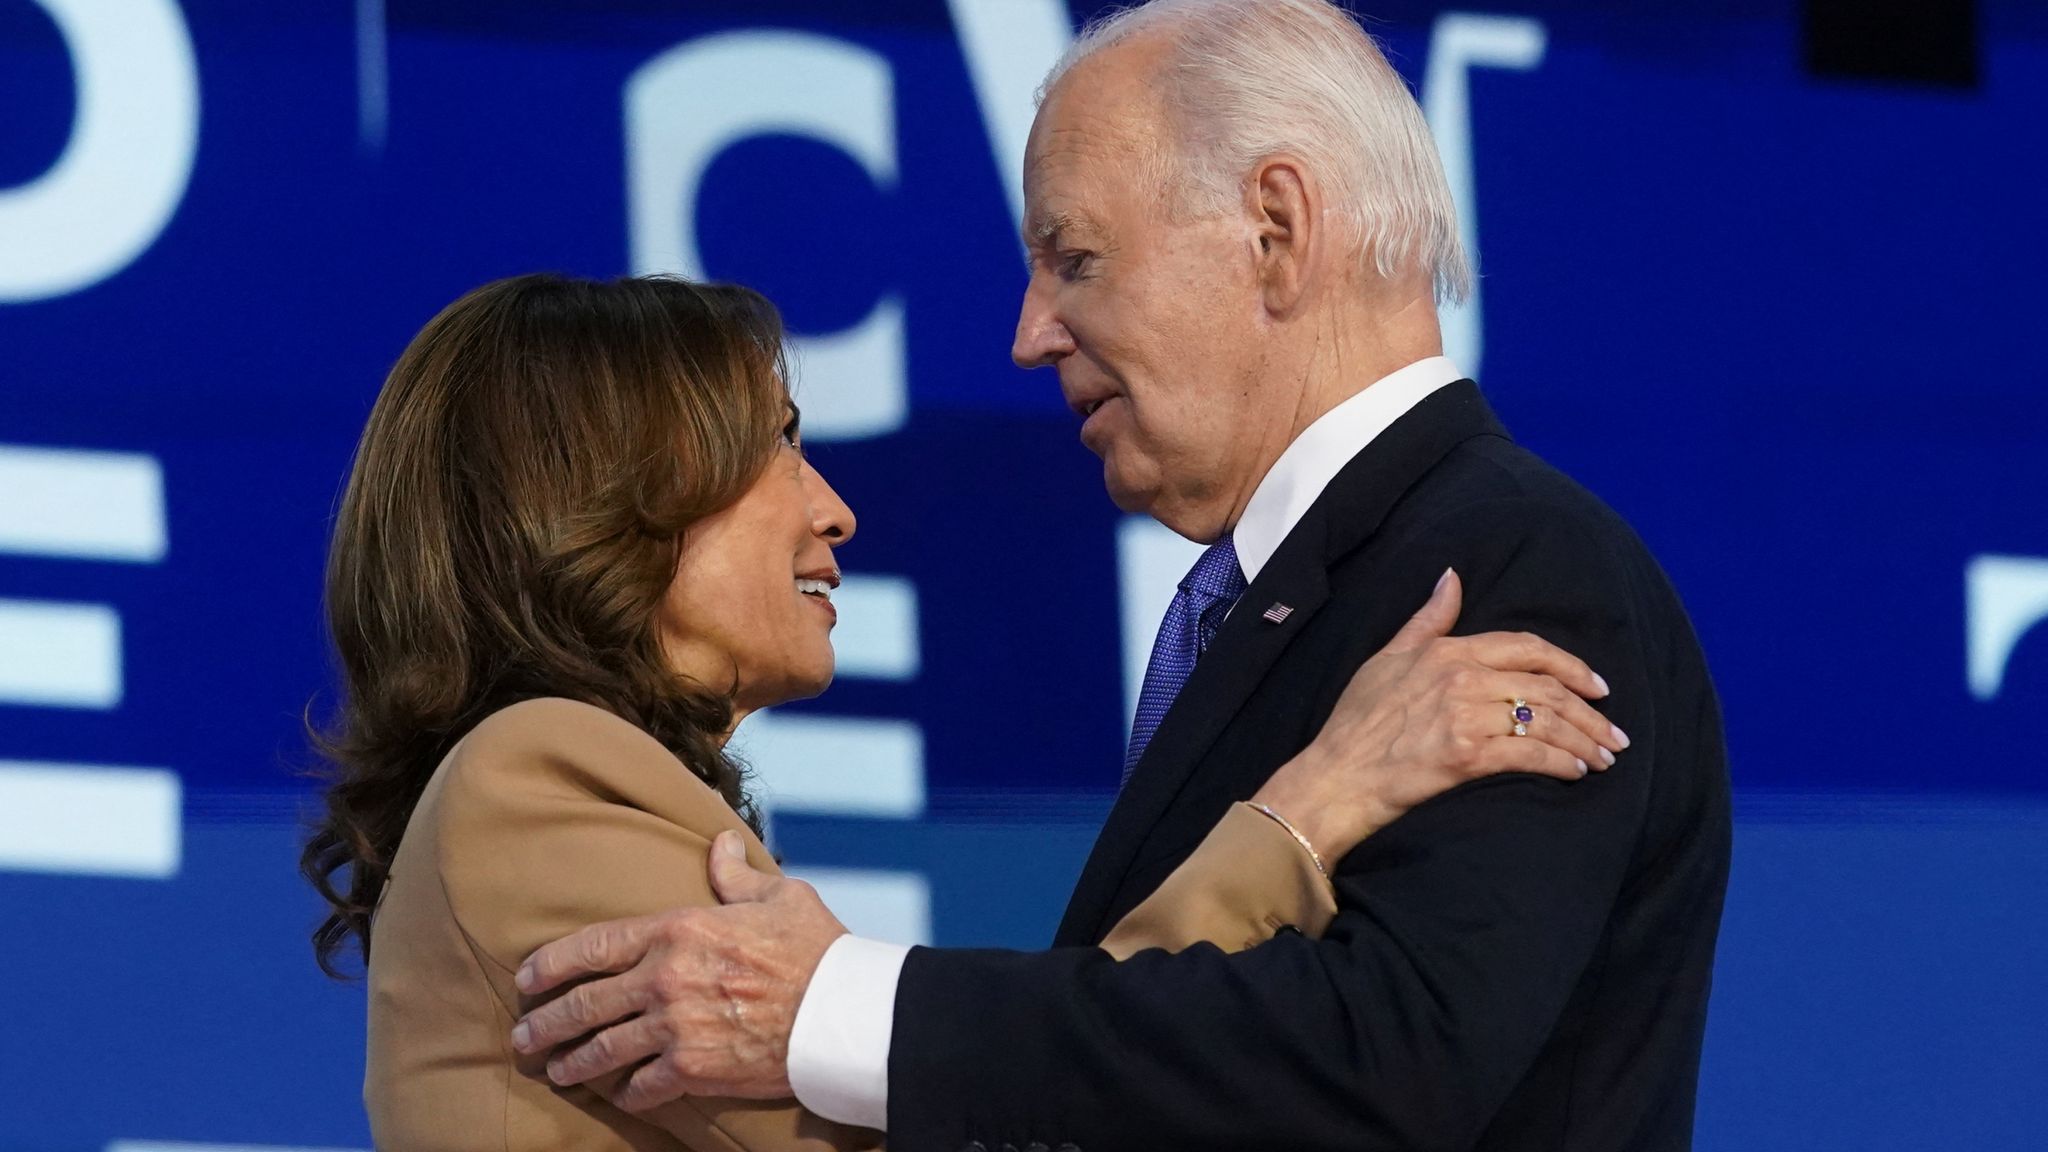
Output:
x=1197 y=611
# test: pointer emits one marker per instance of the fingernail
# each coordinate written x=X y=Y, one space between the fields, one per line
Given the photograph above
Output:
x=525 y=978
x=556 y=1072
x=731 y=846
x=1620 y=737
x=521 y=1035
x=1607 y=757
x=1441 y=581
x=1600 y=682
x=1582 y=767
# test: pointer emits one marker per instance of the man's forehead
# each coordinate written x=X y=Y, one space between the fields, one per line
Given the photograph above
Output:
x=1070 y=172
x=1089 y=141
x=1065 y=145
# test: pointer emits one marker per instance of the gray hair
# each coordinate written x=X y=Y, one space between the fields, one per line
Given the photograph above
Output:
x=1247 y=79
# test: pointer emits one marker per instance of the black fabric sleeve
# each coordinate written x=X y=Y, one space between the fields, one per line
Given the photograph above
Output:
x=1463 y=930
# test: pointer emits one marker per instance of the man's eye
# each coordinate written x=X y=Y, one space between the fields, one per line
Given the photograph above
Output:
x=1072 y=264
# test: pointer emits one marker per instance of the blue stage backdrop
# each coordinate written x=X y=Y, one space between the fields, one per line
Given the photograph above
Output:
x=1786 y=324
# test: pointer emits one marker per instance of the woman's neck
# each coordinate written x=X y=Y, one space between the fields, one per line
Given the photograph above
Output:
x=739 y=715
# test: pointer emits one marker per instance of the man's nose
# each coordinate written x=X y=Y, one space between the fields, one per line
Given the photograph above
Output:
x=1041 y=340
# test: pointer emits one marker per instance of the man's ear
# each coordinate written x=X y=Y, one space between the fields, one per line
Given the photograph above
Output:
x=1284 y=205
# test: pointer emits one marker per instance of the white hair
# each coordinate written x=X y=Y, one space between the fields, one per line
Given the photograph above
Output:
x=1244 y=80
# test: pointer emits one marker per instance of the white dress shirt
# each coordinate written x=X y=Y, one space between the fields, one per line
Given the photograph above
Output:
x=839 y=1046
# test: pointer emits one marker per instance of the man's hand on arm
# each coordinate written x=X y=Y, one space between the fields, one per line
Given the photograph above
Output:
x=703 y=999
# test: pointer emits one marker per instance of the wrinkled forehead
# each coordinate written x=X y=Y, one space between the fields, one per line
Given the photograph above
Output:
x=1067 y=186
x=1092 y=156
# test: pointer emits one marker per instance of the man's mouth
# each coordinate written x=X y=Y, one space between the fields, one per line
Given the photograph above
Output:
x=1089 y=408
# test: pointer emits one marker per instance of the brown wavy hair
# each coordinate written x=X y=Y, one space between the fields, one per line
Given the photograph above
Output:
x=511 y=525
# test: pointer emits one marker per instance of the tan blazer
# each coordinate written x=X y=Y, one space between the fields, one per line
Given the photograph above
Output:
x=552 y=815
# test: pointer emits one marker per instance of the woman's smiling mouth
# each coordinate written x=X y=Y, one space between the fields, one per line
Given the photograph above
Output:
x=817 y=588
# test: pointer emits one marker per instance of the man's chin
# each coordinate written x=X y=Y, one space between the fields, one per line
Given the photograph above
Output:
x=1127 y=497
x=1200 y=523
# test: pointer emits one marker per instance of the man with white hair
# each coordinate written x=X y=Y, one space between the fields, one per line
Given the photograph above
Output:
x=1240 y=231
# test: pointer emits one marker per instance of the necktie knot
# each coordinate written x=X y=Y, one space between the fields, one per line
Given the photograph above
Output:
x=1217 y=575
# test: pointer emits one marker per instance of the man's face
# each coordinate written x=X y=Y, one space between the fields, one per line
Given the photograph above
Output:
x=1153 y=324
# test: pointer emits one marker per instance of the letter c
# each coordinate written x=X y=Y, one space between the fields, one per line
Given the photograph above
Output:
x=692 y=102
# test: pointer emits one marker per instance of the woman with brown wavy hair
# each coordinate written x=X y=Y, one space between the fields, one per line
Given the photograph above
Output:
x=579 y=543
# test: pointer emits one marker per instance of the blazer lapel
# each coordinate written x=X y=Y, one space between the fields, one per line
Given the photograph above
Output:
x=1251 y=640
x=1242 y=653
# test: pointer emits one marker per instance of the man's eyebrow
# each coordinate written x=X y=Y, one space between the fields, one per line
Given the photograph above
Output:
x=1046 y=233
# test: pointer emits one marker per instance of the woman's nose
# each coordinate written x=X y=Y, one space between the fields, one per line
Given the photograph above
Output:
x=831 y=519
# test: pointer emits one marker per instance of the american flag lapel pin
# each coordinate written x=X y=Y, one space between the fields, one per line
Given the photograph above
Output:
x=1278 y=613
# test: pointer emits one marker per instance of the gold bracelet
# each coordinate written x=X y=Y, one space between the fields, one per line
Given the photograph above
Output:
x=1294 y=832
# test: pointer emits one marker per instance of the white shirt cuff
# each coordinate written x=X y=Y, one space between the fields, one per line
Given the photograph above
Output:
x=839 y=1045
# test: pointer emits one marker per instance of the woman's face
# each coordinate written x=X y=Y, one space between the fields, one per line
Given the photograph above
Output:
x=752 y=593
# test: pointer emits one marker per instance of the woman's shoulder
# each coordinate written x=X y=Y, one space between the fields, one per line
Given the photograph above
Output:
x=545 y=722
x=551 y=751
x=551 y=815
x=551 y=729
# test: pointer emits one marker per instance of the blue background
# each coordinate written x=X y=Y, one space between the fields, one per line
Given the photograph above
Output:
x=1787 y=326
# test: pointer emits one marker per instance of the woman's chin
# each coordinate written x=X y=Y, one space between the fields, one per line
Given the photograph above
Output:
x=787 y=680
x=803 y=684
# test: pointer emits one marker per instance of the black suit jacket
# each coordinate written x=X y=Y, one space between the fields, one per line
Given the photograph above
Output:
x=1521 y=963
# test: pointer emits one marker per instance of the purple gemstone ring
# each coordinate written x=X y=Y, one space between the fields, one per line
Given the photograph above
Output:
x=1523 y=716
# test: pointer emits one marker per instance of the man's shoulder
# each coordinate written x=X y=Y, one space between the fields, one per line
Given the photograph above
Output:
x=1489 y=492
x=1514 y=525
x=1496 y=471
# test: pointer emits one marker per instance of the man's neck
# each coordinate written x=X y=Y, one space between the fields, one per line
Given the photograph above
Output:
x=1348 y=354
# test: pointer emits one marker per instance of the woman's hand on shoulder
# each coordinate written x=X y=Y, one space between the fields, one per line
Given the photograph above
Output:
x=1431 y=711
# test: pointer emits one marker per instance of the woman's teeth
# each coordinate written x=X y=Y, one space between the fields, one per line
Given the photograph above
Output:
x=818 y=588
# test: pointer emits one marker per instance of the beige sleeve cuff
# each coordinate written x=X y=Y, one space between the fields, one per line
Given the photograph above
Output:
x=1248 y=880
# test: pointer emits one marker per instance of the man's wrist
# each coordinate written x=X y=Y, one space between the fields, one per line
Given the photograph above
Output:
x=839 y=1044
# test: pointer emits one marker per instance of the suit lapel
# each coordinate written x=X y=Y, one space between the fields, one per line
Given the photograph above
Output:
x=1349 y=510
x=1225 y=676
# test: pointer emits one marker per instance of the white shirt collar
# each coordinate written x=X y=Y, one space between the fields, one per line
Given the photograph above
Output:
x=1321 y=451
